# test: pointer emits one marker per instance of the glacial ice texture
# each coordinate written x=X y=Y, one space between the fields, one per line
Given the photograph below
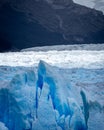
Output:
x=45 y=97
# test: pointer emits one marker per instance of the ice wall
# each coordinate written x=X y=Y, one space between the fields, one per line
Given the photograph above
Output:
x=17 y=99
x=64 y=98
x=51 y=98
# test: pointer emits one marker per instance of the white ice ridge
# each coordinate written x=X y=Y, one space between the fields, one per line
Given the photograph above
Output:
x=64 y=59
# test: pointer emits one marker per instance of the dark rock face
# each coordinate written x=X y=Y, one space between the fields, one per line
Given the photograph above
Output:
x=4 y=45
x=49 y=22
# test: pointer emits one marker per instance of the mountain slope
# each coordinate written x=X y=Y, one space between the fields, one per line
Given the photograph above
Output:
x=49 y=22
x=98 y=5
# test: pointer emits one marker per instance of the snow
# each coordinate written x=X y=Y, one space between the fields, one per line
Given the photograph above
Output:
x=64 y=59
x=88 y=3
x=97 y=4
x=91 y=47
x=52 y=90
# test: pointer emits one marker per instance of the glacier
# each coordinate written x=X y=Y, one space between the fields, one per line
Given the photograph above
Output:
x=63 y=97
x=47 y=95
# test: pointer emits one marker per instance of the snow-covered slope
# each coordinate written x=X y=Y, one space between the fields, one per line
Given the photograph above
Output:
x=66 y=93
x=91 y=47
x=97 y=4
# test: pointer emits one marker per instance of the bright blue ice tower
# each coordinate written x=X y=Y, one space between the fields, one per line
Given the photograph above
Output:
x=64 y=99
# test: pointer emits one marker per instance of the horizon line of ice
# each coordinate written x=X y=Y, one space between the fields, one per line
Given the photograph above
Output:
x=63 y=59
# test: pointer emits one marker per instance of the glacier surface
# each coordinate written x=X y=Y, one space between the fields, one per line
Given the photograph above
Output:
x=47 y=95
